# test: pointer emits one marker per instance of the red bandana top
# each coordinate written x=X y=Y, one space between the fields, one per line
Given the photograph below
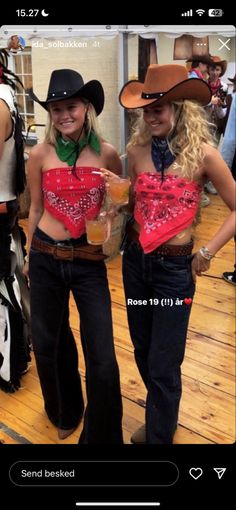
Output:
x=69 y=199
x=163 y=209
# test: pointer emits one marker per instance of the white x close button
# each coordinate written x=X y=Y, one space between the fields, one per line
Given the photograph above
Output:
x=224 y=44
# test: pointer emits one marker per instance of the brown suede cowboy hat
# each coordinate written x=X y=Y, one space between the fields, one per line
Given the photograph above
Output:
x=164 y=84
x=66 y=83
x=218 y=62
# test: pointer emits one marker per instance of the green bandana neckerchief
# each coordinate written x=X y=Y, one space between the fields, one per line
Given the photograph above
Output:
x=68 y=150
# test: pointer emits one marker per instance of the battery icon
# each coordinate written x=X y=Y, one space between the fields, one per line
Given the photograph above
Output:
x=216 y=13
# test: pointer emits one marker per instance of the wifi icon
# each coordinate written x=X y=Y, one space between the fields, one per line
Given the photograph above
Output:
x=200 y=12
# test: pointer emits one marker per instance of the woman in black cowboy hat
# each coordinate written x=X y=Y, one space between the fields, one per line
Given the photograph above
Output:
x=170 y=155
x=67 y=186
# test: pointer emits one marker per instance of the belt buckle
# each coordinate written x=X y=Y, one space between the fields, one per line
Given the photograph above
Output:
x=67 y=251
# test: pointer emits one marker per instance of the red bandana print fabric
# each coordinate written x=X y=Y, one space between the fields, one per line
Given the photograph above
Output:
x=71 y=200
x=163 y=209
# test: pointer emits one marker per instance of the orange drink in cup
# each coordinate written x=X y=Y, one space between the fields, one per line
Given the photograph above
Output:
x=98 y=229
x=119 y=190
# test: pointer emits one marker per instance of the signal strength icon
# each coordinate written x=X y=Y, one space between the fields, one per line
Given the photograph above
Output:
x=200 y=12
x=188 y=13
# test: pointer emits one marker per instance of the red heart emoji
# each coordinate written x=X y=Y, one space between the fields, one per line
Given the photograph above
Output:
x=188 y=300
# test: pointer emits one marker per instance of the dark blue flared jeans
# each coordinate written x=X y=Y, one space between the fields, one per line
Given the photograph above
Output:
x=155 y=289
x=51 y=281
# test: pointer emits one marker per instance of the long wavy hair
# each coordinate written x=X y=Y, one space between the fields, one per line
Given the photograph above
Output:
x=190 y=130
x=91 y=124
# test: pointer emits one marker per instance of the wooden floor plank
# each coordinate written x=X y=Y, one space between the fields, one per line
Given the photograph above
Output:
x=211 y=352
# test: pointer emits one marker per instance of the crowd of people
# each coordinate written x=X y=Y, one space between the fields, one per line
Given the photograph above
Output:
x=172 y=157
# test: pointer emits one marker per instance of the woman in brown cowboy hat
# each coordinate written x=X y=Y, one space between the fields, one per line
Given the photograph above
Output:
x=67 y=186
x=170 y=155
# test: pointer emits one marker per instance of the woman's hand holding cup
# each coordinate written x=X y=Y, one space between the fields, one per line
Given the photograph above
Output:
x=117 y=187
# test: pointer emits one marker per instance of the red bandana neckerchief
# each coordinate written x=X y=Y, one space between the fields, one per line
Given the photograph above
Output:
x=214 y=86
x=197 y=72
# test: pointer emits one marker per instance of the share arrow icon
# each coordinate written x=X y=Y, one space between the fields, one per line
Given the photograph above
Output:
x=220 y=472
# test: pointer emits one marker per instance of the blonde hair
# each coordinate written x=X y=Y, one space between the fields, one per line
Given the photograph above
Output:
x=91 y=124
x=190 y=131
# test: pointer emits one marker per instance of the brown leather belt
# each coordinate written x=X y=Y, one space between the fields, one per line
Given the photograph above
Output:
x=87 y=252
x=170 y=250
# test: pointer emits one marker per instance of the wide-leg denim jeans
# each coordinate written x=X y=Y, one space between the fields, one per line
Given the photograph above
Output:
x=55 y=350
x=158 y=328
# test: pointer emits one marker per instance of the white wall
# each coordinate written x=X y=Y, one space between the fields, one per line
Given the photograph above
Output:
x=94 y=58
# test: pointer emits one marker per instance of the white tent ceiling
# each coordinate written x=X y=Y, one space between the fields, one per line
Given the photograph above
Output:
x=149 y=31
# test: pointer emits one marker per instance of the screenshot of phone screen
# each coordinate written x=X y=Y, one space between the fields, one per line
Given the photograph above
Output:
x=197 y=469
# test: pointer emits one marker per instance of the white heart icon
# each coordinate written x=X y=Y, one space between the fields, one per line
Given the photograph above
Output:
x=196 y=472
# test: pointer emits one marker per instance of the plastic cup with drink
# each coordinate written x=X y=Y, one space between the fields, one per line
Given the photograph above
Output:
x=98 y=229
x=119 y=190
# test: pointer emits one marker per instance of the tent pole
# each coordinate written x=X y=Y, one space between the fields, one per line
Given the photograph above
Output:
x=123 y=78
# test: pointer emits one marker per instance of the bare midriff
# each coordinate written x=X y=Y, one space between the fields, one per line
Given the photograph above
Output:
x=182 y=237
x=53 y=227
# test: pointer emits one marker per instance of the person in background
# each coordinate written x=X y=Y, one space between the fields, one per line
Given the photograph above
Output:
x=219 y=89
x=218 y=108
x=67 y=185
x=171 y=155
x=228 y=100
x=228 y=153
x=199 y=65
x=233 y=81
x=199 y=68
x=14 y=333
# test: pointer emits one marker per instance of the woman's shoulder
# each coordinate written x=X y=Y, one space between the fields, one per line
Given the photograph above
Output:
x=7 y=96
x=108 y=149
x=212 y=158
x=210 y=151
x=40 y=150
x=39 y=154
x=134 y=151
x=110 y=157
x=4 y=110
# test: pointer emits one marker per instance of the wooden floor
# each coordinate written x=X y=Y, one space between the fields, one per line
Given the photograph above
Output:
x=207 y=412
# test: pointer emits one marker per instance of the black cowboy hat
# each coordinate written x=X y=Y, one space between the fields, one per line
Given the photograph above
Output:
x=66 y=83
x=204 y=59
x=233 y=80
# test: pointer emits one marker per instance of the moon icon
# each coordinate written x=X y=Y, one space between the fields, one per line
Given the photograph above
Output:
x=44 y=13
